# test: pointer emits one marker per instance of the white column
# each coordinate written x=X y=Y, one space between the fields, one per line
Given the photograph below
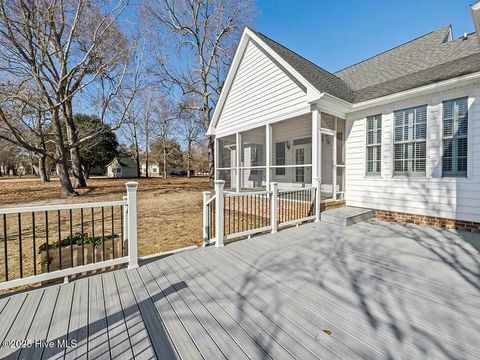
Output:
x=316 y=145
x=238 y=139
x=219 y=212
x=216 y=158
x=206 y=223
x=273 y=208
x=125 y=219
x=318 y=199
x=334 y=170
x=268 y=142
x=132 y=224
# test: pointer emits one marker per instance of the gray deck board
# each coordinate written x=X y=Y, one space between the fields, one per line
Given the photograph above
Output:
x=320 y=291
x=159 y=337
x=236 y=331
x=137 y=332
x=18 y=330
x=58 y=329
x=217 y=333
x=98 y=346
x=78 y=327
x=40 y=324
x=157 y=287
x=120 y=346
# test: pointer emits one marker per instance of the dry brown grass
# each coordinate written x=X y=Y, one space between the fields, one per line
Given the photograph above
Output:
x=169 y=214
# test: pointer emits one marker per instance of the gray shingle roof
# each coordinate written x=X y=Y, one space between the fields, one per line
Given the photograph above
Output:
x=430 y=58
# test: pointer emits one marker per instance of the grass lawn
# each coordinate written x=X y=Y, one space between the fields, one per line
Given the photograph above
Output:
x=169 y=210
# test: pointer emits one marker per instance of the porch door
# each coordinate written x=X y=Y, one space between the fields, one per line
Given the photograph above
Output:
x=328 y=165
x=302 y=156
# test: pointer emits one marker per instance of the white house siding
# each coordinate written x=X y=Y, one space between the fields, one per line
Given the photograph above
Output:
x=289 y=130
x=261 y=92
x=456 y=198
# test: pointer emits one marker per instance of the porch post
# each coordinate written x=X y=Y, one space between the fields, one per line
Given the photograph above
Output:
x=318 y=199
x=132 y=224
x=206 y=222
x=334 y=170
x=268 y=142
x=216 y=160
x=273 y=208
x=238 y=153
x=316 y=145
x=219 y=212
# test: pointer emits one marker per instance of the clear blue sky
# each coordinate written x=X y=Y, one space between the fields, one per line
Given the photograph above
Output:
x=336 y=34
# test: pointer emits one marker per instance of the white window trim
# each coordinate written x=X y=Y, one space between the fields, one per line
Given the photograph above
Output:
x=365 y=172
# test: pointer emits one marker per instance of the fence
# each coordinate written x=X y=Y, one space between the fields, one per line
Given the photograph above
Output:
x=233 y=215
x=44 y=243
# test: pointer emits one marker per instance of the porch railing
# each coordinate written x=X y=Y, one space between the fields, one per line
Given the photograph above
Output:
x=44 y=243
x=228 y=215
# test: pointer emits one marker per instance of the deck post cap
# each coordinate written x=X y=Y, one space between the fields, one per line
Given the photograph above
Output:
x=131 y=185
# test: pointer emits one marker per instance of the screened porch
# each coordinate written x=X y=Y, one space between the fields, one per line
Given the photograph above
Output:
x=283 y=152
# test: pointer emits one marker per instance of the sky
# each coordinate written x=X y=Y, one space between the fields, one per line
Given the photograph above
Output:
x=336 y=34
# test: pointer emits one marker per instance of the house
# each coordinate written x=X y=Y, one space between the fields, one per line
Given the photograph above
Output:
x=153 y=169
x=122 y=167
x=398 y=132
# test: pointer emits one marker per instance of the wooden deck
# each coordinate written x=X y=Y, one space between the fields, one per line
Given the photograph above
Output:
x=371 y=290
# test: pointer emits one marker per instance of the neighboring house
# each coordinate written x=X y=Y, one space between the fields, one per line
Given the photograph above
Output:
x=153 y=169
x=97 y=170
x=122 y=167
x=398 y=132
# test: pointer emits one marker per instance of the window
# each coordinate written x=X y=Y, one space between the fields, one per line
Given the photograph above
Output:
x=280 y=157
x=374 y=145
x=410 y=141
x=455 y=142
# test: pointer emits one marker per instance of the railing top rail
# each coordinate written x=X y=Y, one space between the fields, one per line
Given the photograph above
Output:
x=42 y=208
x=285 y=191
x=211 y=200
x=235 y=194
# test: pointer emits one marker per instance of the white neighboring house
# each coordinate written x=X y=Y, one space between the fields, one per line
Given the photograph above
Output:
x=122 y=167
x=153 y=169
x=398 y=132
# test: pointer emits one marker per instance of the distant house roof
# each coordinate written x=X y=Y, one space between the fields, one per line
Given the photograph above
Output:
x=427 y=59
x=128 y=162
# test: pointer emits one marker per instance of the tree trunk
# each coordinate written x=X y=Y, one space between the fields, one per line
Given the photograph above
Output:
x=75 y=157
x=42 y=168
x=164 y=162
x=61 y=157
x=189 y=159
x=211 y=157
x=146 y=153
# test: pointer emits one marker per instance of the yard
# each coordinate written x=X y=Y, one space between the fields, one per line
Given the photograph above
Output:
x=169 y=211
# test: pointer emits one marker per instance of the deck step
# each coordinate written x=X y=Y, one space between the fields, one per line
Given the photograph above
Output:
x=346 y=215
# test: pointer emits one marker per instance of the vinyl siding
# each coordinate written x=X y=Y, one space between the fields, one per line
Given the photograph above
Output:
x=456 y=198
x=260 y=93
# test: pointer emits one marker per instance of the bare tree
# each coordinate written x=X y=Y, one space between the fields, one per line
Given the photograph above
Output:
x=59 y=49
x=203 y=32
x=191 y=131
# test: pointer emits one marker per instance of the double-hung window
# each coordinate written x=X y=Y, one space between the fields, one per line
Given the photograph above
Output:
x=374 y=145
x=455 y=137
x=410 y=141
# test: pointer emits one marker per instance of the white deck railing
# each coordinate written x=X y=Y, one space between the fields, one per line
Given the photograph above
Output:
x=25 y=228
x=229 y=216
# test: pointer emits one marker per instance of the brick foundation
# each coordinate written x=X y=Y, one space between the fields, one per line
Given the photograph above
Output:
x=331 y=204
x=393 y=216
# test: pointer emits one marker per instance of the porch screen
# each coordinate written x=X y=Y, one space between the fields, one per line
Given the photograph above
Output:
x=280 y=157
x=374 y=145
x=410 y=141
x=455 y=142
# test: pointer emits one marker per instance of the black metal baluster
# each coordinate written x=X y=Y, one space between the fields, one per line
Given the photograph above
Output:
x=59 y=241
x=46 y=241
x=83 y=236
x=113 y=234
x=229 y=214
x=103 y=233
x=20 y=252
x=121 y=230
x=71 y=236
x=34 y=245
x=5 y=245
x=93 y=235
x=224 y=214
